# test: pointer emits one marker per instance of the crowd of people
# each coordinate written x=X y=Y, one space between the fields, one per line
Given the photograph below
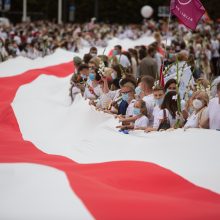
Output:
x=41 y=38
x=148 y=87
x=129 y=85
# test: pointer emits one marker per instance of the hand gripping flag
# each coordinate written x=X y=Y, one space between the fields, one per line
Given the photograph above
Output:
x=189 y=12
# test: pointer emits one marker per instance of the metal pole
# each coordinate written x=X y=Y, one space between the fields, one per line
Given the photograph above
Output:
x=59 y=11
x=24 y=17
x=96 y=9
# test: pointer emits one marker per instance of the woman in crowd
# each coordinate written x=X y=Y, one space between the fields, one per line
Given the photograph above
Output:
x=168 y=111
x=170 y=85
x=77 y=86
x=93 y=89
x=198 y=117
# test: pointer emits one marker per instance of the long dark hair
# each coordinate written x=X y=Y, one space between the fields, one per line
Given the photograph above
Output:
x=170 y=103
x=168 y=83
x=118 y=68
x=134 y=53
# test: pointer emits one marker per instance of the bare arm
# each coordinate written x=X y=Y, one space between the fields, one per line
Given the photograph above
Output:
x=105 y=87
x=130 y=119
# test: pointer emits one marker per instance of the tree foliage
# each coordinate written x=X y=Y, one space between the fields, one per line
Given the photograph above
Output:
x=122 y=11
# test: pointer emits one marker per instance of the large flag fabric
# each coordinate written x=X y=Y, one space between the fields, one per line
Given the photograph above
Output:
x=62 y=160
x=189 y=12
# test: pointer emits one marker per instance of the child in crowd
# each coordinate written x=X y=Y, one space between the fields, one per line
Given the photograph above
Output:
x=158 y=93
x=140 y=118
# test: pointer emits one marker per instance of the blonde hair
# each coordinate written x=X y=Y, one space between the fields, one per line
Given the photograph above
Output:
x=203 y=96
x=158 y=88
x=96 y=61
x=203 y=82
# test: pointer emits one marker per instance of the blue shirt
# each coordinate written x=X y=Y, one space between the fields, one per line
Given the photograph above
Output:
x=122 y=108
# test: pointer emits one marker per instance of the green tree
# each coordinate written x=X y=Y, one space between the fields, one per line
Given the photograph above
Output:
x=122 y=11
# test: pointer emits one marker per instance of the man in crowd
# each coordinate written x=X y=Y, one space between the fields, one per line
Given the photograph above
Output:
x=121 y=58
x=148 y=66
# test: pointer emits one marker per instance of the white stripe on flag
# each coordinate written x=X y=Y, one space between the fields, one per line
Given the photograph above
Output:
x=29 y=191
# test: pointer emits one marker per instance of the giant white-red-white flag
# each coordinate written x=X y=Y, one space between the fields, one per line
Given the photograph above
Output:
x=62 y=161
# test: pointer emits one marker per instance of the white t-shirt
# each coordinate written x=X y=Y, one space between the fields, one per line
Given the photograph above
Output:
x=90 y=95
x=130 y=109
x=156 y=111
x=150 y=103
x=214 y=113
x=105 y=99
x=215 y=48
x=117 y=94
x=134 y=66
x=192 y=121
x=158 y=58
x=141 y=122
x=123 y=60
x=111 y=94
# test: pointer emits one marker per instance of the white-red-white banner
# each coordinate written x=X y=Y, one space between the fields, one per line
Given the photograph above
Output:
x=63 y=161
